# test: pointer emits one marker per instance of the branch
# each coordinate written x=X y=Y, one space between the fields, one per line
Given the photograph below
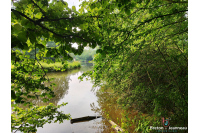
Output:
x=149 y=20
x=43 y=71
x=63 y=2
x=19 y=127
x=13 y=10
x=43 y=27
x=168 y=66
x=171 y=1
x=160 y=16
x=58 y=19
x=43 y=12
x=153 y=29
x=156 y=7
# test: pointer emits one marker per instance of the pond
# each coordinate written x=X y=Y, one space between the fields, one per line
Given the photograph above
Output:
x=83 y=100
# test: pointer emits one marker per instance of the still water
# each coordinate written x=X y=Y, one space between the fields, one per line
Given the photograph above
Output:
x=83 y=100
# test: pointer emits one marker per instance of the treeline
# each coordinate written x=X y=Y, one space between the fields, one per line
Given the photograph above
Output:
x=87 y=55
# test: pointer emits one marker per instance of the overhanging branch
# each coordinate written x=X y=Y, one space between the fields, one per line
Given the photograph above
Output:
x=43 y=12
x=43 y=27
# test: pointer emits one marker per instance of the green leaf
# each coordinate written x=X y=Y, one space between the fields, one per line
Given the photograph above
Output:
x=17 y=27
x=38 y=15
x=73 y=8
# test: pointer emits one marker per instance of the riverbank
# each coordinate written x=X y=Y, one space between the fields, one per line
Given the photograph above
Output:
x=58 y=66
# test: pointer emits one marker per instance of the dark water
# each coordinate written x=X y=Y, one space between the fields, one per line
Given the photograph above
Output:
x=83 y=100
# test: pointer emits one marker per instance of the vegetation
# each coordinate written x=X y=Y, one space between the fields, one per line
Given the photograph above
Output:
x=58 y=66
x=142 y=55
x=33 y=26
x=87 y=55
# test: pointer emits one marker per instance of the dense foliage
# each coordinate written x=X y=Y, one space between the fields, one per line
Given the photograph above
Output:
x=142 y=53
x=144 y=56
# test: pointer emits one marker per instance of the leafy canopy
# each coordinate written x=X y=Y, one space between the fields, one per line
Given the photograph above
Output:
x=34 y=25
x=143 y=55
x=142 y=51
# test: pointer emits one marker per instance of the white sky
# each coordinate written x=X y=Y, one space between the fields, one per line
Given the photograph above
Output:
x=75 y=3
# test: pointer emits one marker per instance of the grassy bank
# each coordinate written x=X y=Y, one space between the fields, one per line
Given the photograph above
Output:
x=58 y=66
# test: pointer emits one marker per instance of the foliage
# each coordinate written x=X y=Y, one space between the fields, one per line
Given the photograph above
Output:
x=35 y=25
x=58 y=66
x=142 y=51
x=143 y=55
x=144 y=122
x=36 y=117
x=31 y=53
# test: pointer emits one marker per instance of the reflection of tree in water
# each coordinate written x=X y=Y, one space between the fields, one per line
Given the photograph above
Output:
x=107 y=105
x=60 y=90
x=61 y=79
x=86 y=66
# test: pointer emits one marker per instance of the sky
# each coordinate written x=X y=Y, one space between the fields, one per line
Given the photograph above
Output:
x=75 y=3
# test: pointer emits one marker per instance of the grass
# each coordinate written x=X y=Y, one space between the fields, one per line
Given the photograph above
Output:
x=58 y=66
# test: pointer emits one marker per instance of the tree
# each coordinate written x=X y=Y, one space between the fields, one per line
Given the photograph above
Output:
x=143 y=56
x=142 y=53
x=34 y=23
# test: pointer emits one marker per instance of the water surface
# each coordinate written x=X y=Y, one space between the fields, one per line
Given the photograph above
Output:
x=82 y=101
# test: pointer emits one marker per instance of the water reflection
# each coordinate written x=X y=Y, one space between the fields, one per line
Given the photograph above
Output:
x=83 y=100
x=106 y=106
x=79 y=97
x=61 y=79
